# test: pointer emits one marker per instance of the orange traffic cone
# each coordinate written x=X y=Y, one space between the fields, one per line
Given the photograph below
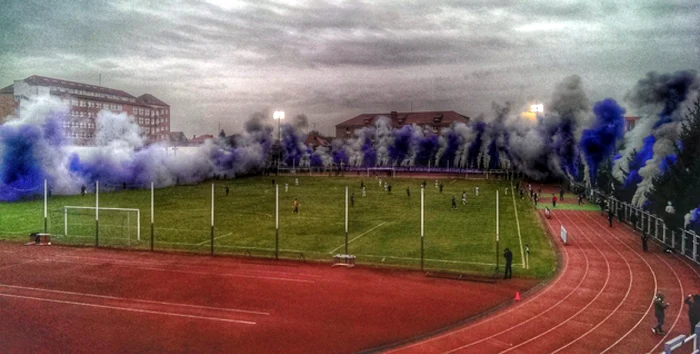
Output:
x=517 y=296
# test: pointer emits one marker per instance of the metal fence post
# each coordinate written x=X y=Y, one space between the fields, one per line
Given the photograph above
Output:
x=673 y=239
x=695 y=246
x=683 y=242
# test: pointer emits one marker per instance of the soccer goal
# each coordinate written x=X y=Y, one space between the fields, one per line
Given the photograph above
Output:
x=120 y=223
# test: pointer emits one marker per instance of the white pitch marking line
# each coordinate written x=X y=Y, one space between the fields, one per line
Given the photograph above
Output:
x=130 y=309
x=517 y=223
x=356 y=237
x=133 y=300
x=215 y=238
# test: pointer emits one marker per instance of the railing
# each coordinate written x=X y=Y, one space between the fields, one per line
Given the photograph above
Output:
x=683 y=241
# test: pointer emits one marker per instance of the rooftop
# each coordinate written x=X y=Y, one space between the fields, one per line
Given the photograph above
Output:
x=406 y=118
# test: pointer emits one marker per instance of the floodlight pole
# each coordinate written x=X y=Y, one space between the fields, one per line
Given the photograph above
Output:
x=97 y=213
x=152 y=218
x=278 y=116
x=346 y=219
x=277 y=220
x=422 y=224
x=46 y=201
x=497 y=238
x=212 y=219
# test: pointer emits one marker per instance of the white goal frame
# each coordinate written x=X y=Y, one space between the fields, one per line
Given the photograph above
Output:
x=65 y=217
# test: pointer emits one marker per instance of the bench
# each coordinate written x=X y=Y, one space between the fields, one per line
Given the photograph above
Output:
x=39 y=239
x=343 y=260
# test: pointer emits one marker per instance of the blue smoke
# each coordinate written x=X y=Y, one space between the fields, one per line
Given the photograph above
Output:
x=598 y=143
x=638 y=161
x=475 y=147
x=21 y=172
x=402 y=143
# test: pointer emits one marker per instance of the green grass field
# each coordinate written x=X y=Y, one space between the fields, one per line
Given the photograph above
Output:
x=383 y=228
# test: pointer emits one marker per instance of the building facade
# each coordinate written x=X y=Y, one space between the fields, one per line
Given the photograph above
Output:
x=434 y=120
x=86 y=101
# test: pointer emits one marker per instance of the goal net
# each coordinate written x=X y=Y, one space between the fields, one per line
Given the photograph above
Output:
x=120 y=224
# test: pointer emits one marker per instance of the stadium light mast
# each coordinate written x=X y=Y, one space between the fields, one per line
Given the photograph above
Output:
x=278 y=116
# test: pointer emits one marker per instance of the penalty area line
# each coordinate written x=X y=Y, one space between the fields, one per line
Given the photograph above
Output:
x=215 y=238
x=356 y=237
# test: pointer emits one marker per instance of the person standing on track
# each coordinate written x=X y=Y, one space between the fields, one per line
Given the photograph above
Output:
x=611 y=215
x=693 y=302
x=645 y=238
x=554 y=200
x=508 y=255
x=660 y=313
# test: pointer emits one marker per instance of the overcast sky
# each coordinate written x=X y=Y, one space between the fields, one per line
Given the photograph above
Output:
x=218 y=61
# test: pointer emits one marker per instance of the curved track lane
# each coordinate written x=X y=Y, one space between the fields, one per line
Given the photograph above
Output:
x=602 y=300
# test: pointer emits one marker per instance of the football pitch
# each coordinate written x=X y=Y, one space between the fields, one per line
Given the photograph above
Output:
x=383 y=228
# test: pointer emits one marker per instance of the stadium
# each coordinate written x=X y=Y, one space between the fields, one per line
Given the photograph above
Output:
x=504 y=177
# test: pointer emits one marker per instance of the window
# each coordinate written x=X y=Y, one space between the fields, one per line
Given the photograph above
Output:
x=82 y=103
x=148 y=121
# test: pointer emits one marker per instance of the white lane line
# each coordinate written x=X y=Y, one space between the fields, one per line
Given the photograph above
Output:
x=193 y=272
x=651 y=303
x=215 y=238
x=600 y=292
x=517 y=223
x=129 y=309
x=356 y=237
x=525 y=302
x=16 y=264
x=629 y=285
x=133 y=300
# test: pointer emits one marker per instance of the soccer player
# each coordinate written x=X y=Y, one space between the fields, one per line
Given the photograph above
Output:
x=454 y=202
x=408 y=192
x=464 y=198
x=364 y=191
x=82 y=190
x=389 y=188
x=296 y=181
x=352 y=200
x=286 y=187
x=362 y=183
x=380 y=182
x=386 y=186
x=477 y=191
x=296 y=206
x=226 y=190
x=436 y=183
x=506 y=190
x=441 y=185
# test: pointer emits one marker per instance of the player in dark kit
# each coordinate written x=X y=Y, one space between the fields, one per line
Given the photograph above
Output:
x=508 y=255
x=408 y=191
x=611 y=215
x=693 y=302
x=454 y=202
x=352 y=200
x=82 y=190
x=441 y=185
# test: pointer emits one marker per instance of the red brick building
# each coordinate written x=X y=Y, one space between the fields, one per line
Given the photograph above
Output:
x=433 y=120
x=86 y=101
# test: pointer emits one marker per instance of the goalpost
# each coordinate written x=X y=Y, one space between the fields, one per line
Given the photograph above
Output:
x=127 y=211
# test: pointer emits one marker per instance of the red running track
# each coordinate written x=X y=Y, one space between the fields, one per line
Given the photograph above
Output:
x=61 y=299
x=601 y=301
